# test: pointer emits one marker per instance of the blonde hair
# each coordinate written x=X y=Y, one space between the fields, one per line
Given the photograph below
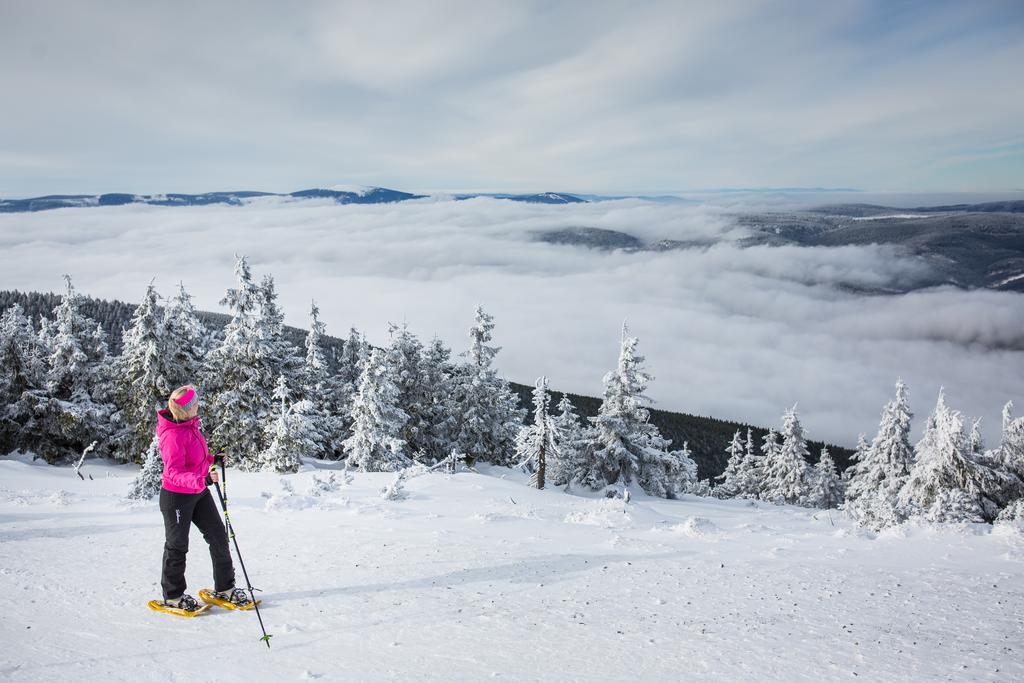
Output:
x=177 y=411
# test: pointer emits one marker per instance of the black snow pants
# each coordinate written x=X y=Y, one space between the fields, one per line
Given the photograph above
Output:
x=181 y=511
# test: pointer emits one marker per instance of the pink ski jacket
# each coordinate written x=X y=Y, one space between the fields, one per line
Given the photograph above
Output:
x=187 y=458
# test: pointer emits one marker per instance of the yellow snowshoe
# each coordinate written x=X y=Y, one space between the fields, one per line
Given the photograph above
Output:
x=236 y=598
x=186 y=606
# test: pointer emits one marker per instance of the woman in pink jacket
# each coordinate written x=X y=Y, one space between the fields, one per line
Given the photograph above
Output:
x=185 y=500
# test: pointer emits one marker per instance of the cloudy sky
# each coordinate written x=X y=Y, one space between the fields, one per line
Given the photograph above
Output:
x=517 y=96
x=739 y=333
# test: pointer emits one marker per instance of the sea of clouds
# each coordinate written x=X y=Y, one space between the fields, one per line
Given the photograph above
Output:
x=732 y=332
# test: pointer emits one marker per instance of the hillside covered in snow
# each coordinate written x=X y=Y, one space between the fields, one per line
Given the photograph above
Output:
x=473 y=576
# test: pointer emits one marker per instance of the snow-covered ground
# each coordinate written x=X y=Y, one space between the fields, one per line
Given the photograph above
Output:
x=475 y=576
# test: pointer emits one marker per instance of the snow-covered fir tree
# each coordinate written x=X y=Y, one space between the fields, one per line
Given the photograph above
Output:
x=881 y=469
x=730 y=486
x=284 y=358
x=827 y=486
x=535 y=443
x=681 y=473
x=573 y=438
x=288 y=435
x=626 y=446
x=438 y=411
x=1013 y=515
x=354 y=354
x=1006 y=488
x=322 y=392
x=150 y=478
x=140 y=377
x=1011 y=446
x=22 y=370
x=787 y=474
x=242 y=371
x=73 y=407
x=376 y=444
x=977 y=441
x=237 y=402
x=415 y=396
x=770 y=447
x=944 y=465
x=488 y=412
x=748 y=480
x=858 y=455
x=350 y=367
x=186 y=340
x=953 y=506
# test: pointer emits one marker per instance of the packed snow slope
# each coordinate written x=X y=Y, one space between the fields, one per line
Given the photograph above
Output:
x=475 y=576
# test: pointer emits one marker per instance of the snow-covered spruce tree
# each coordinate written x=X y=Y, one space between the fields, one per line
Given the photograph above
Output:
x=238 y=401
x=858 y=455
x=770 y=447
x=1011 y=447
x=535 y=443
x=22 y=370
x=1013 y=515
x=438 y=410
x=488 y=412
x=350 y=367
x=1007 y=461
x=322 y=392
x=944 y=465
x=750 y=472
x=354 y=354
x=953 y=506
x=150 y=478
x=626 y=446
x=881 y=469
x=573 y=438
x=141 y=386
x=186 y=340
x=415 y=396
x=787 y=474
x=681 y=471
x=73 y=407
x=730 y=486
x=827 y=489
x=376 y=444
x=241 y=372
x=283 y=356
x=977 y=442
x=288 y=435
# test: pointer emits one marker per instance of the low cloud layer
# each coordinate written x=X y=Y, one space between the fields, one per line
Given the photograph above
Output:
x=729 y=332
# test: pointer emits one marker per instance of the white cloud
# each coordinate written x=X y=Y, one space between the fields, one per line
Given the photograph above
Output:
x=648 y=96
x=734 y=333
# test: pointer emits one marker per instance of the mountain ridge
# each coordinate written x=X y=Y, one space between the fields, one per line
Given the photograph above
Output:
x=368 y=195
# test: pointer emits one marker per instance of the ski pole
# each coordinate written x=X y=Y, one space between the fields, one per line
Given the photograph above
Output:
x=231 y=533
x=222 y=459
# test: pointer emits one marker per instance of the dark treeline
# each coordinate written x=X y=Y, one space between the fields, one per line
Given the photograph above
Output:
x=708 y=438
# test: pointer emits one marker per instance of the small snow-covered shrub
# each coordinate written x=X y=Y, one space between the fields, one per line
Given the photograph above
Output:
x=700 y=488
x=321 y=485
x=954 y=505
x=147 y=484
x=1012 y=515
x=395 y=490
